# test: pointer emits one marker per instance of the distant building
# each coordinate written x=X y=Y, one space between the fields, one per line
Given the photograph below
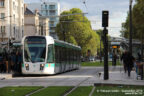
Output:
x=31 y=22
x=44 y=23
x=50 y=10
x=34 y=24
x=11 y=20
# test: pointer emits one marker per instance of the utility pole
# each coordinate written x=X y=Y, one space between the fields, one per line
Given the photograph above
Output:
x=130 y=26
x=142 y=54
x=105 y=33
x=100 y=48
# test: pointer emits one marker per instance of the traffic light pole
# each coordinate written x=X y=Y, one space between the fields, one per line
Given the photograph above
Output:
x=106 y=71
x=105 y=19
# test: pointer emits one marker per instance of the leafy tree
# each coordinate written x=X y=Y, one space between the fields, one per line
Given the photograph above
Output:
x=138 y=21
x=77 y=30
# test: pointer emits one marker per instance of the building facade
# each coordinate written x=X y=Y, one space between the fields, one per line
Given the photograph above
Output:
x=44 y=26
x=51 y=10
x=31 y=23
x=11 y=20
x=34 y=24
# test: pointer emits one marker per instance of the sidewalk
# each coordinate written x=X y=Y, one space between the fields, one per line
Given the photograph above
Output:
x=120 y=78
x=87 y=75
x=5 y=76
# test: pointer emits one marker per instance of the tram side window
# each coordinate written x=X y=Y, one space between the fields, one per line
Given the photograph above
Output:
x=67 y=58
x=65 y=54
x=50 y=56
x=75 y=55
x=56 y=53
x=71 y=55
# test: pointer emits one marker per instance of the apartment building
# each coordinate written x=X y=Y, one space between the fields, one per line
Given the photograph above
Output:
x=51 y=10
x=11 y=20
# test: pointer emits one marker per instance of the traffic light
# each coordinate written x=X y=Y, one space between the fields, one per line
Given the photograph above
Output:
x=105 y=16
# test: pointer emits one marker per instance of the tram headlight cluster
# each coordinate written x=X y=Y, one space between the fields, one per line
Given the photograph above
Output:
x=42 y=66
x=27 y=66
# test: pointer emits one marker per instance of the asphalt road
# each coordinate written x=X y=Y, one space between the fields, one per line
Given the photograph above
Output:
x=85 y=76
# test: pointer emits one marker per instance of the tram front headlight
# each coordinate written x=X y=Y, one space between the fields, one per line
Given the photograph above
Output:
x=27 y=66
x=42 y=66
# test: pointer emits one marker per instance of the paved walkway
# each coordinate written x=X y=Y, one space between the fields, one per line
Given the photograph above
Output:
x=5 y=76
x=119 y=77
x=86 y=76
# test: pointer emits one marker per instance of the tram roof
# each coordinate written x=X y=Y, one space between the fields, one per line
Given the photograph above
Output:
x=66 y=44
x=60 y=43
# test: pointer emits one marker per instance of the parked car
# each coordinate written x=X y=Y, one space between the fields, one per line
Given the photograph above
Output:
x=91 y=59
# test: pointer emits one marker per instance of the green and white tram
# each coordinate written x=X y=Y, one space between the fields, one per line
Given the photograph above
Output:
x=45 y=55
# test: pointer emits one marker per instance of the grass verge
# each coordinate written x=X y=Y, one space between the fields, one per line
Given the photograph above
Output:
x=53 y=91
x=17 y=91
x=81 y=91
x=98 y=64
x=119 y=91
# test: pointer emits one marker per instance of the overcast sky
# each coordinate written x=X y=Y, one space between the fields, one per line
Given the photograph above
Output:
x=117 y=11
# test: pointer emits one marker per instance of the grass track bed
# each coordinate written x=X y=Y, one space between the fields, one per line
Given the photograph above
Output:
x=81 y=91
x=17 y=91
x=53 y=91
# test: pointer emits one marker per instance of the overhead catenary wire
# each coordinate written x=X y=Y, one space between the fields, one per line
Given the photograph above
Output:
x=84 y=2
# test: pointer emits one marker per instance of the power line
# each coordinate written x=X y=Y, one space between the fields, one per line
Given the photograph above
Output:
x=84 y=2
x=66 y=15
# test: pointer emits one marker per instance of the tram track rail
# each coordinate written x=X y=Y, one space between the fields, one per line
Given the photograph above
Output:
x=44 y=87
x=75 y=87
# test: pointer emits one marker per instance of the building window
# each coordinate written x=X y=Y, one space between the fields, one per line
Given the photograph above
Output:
x=52 y=19
x=2 y=29
x=51 y=23
x=22 y=21
x=22 y=10
x=14 y=18
x=2 y=3
x=14 y=5
x=52 y=12
x=45 y=6
x=52 y=28
x=2 y=16
x=51 y=7
x=47 y=13
x=22 y=33
x=14 y=31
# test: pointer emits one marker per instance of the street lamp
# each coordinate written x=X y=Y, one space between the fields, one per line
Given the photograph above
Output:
x=130 y=27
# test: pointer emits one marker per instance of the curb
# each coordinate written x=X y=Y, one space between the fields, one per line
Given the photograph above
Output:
x=110 y=84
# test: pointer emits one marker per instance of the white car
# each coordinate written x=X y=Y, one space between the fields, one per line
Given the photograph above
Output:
x=91 y=59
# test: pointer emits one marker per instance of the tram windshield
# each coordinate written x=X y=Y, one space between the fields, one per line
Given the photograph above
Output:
x=35 y=49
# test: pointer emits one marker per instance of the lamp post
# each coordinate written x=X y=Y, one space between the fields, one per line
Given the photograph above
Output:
x=130 y=27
